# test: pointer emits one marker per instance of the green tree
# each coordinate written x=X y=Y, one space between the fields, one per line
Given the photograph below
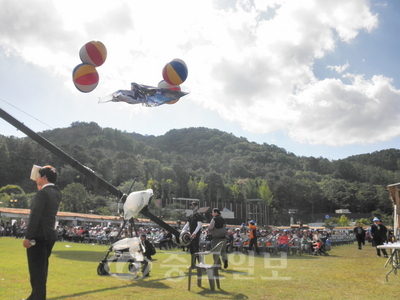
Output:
x=75 y=199
x=4 y=200
x=192 y=187
x=363 y=221
x=11 y=189
x=202 y=188
x=4 y=162
x=104 y=211
x=251 y=189
x=215 y=186
x=331 y=223
x=154 y=185
x=343 y=221
x=168 y=187
x=13 y=196
x=267 y=196
x=182 y=177
x=336 y=192
x=265 y=193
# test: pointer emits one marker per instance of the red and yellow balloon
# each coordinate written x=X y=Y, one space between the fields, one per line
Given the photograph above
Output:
x=93 y=53
x=85 y=77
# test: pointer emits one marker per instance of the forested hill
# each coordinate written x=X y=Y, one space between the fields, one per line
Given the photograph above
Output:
x=386 y=159
x=201 y=141
x=210 y=165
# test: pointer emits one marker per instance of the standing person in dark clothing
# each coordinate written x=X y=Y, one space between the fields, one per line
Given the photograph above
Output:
x=253 y=237
x=218 y=231
x=41 y=229
x=149 y=248
x=194 y=225
x=359 y=232
x=378 y=234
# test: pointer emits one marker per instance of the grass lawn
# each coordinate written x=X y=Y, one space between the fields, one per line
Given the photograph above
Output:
x=347 y=273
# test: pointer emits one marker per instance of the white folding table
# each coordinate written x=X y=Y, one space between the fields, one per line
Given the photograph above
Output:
x=394 y=257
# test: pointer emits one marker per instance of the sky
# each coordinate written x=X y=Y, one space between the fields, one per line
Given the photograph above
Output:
x=316 y=77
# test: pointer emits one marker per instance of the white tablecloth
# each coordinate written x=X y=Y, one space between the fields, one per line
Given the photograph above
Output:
x=389 y=247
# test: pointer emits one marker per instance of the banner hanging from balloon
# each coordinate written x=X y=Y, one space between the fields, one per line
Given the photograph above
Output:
x=146 y=95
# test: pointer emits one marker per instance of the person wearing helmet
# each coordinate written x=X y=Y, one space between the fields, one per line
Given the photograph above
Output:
x=378 y=234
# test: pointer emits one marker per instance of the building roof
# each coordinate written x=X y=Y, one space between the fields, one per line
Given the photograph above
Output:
x=202 y=210
x=71 y=216
x=61 y=215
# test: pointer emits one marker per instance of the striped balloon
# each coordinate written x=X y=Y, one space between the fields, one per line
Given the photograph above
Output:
x=175 y=72
x=93 y=53
x=85 y=77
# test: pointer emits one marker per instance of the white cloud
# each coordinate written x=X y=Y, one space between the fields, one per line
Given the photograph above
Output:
x=339 y=69
x=337 y=114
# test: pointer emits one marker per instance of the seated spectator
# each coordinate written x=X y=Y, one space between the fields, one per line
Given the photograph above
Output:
x=316 y=235
x=283 y=242
x=236 y=235
x=305 y=244
x=205 y=244
x=113 y=235
x=166 y=240
x=229 y=242
x=297 y=234
x=317 y=245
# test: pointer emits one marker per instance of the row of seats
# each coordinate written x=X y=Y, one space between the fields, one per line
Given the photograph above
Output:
x=337 y=240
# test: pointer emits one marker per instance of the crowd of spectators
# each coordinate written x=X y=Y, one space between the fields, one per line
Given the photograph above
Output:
x=307 y=238
x=163 y=239
x=15 y=230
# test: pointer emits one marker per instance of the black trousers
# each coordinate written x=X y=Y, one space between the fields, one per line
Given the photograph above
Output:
x=360 y=241
x=194 y=245
x=377 y=243
x=38 y=263
x=253 y=242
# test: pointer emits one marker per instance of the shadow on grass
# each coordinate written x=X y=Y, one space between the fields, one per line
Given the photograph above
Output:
x=79 y=255
x=306 y=256
x=148 y=283
x=154 y=284
x=207 y=292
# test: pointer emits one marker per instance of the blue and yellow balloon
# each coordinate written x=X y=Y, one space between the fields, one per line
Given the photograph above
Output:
x=175 y=72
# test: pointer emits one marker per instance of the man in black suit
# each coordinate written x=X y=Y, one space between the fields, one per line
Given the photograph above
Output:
x=378 y=234
x=41 y=229
x=194 y=224
x=359 y=232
